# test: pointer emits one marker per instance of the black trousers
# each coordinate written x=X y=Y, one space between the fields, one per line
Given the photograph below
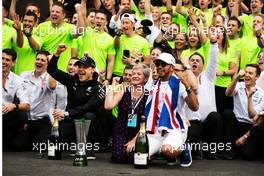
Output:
x=39 y=131
x=222 y=101
x=13 y=123
x=253 y=148
x=233 y=129
x=210 y=130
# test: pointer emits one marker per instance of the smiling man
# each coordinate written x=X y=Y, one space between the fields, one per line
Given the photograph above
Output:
x=14 y=112
x=56 y=31
x=130 y=47
x=100 y=46
x=40 y=89
x=206 y=120
x=238 y=122
x=31 y=44
x=164 y=112
x=85 y=93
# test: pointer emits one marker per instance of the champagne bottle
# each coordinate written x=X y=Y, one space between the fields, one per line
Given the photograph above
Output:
x=141 y=147
x=54 y=152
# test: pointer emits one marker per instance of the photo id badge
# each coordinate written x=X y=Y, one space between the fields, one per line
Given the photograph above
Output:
x=132 y=120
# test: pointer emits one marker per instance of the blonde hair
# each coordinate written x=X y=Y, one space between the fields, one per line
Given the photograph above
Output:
x=144 y=68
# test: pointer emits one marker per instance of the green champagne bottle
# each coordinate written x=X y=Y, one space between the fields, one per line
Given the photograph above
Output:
x=54 y=152
x=141 y=147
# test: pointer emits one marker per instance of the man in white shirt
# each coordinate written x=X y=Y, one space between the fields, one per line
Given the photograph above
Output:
x=206 y=123
x=238 y=122
x=40 y=89
x=164 y=112
x=15 y=102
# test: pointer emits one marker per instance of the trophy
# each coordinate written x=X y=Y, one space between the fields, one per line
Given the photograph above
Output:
x=82 y=128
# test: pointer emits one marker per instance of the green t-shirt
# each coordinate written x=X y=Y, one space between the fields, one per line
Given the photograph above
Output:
x=134 y=44
x=99 y=45
x=138 y=13
x=203 y=50
x=208 y=17
x=235 y=44
x=8 y=36
x=247 y=24
x=180 y=20
x=26 y=55
x=249 y=51
x=224 y=60
x=53 y=36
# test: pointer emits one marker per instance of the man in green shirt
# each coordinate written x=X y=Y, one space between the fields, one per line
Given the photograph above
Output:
x=31 y=43
x=255 y=7
x=130 y=46
x=100 y=46
x=56 y=31
x=233 y=30
x=250 y=48
x=9 y=34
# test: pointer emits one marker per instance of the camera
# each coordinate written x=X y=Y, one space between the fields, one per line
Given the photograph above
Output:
x=145 y=26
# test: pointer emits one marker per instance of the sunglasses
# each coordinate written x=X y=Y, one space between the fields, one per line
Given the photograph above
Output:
x=159 y=62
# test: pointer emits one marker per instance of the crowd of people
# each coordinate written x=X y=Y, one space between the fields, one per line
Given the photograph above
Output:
x=194 y=69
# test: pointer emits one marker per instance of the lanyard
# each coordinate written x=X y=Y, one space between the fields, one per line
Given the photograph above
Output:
x=135 y=104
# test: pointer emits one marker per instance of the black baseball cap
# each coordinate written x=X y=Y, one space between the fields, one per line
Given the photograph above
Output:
x=86 y=61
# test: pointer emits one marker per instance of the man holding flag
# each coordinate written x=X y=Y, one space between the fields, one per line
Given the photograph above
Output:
x=164 y=112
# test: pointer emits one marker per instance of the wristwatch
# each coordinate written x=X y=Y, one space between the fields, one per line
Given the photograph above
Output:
x=66 y=114
x=189 y=90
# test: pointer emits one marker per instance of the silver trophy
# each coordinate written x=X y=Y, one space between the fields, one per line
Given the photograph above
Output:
x=82 y=128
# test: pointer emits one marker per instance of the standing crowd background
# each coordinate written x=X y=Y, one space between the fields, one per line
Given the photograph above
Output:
x=193 y=68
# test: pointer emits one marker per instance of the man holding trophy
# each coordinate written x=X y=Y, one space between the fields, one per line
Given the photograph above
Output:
x=85 y=96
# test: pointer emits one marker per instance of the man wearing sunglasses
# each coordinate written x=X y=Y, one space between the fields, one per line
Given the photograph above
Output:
x=164 y=112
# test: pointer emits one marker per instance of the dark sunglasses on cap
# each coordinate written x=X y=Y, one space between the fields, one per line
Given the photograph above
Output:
x=159 y=62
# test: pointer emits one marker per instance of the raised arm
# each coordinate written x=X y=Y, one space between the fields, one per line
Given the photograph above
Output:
x=32 y=42
x=84 y=10
x=12 y=10
x=211 y=67
x=80 y=22
x=53 y=70
x=193 y=20
x=191 y=100
x=190 y=75
x=179 y=8
x=97 y=4
x=231 y=88
x=113 y=96
x=251 y=110
x=17 y=25
x=169 y=7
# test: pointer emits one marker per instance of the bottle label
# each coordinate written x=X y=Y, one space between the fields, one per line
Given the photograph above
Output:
x=140 y=158
x=51 y=150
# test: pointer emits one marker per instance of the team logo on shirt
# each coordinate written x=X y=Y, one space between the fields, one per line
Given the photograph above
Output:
x=88 y=91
